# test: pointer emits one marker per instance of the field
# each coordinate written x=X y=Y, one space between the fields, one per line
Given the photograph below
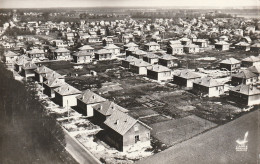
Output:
x=218 y=145
x=174 y=131
x=161 y=106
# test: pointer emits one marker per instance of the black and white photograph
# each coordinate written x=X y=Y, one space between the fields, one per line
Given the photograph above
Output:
x=129 y=81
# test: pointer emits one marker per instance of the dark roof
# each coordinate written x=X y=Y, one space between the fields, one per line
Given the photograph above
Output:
x=89 y=97
x=187 y=74
x=208 y=82
x=67 y=89
x=245 y=74
x=108 y=107
x=246 y=89
x=122 y=122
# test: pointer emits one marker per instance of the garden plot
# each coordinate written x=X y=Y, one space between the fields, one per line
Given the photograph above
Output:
x=174 y=131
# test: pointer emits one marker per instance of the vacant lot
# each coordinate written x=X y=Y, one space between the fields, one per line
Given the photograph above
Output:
x=174 y=131
x=218 y=145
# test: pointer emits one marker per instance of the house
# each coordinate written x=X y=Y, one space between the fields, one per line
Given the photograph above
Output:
x=94 y=39
x=122 y=131
x=10 y=57
x=51 y=84
x=139 y=54
x=130 y=44
x=151 y=58
x=21 y=60
x=87 y=100
x=65 y=95
x=28 y=69
x=130 y=51
x=159 y=73
x=40 y=72
x=126 y=62
x=36 y=54
x=103 y=54
x=62 y=54
x=113 y=49
x=202 y=43
x=245 y=95
x=230 y=64
x=185 y=78
x=151 y=46
x=175 y=49
x=191 y=48
x=168 y=61
x=51 y=75
x=255 y=47
x=244 y=77
x=242 y=46
x=222 y=46
x=105 y=109
x=256 y=70
x=208 y=86
x=250 y=61
x=139 y=66
x=82 y=57
x=185 y=41
x=87 y=48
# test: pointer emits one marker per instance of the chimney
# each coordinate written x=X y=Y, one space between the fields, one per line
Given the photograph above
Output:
x=117 y=122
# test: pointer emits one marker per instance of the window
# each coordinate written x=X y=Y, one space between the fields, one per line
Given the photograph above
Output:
x=148 y=135
x=136 y=128
x=137 y=138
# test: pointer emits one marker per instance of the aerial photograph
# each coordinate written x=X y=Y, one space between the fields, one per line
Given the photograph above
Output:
x=129 y=81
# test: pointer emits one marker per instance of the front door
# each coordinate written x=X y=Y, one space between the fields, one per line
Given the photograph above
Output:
x=137 y=138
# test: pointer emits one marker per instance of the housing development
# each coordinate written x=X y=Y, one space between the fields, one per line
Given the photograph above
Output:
x=126 y=86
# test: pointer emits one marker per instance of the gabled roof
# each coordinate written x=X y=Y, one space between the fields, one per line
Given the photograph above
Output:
x=36 y=51
x=256 y=45
x=103 y=51
x=246 y=89
x=222 y=43
x=140 y=63
x=158 y=68
x=131 y=44
x=111 y=46
x=89 y=97
x=122 y=122
x=22 y=59
x=151 y=55
x=54 y=82
x=29 y=65
x=60 y=50
x=82 y=53
x=43 y=69
x=252 y=59
x=67 y=89
x=168 y=57
x=86 y=47
x=152 y=44
x=130 y=58
x=52 y=74
x=139 y=52
x=255 y=69
x=230 y=61
x=208 y=82
x=108 y=107
x=192 y=46
x=132 y=49
x=242 y=44
x=245 y=74
x=10 y=54
x=187 y=74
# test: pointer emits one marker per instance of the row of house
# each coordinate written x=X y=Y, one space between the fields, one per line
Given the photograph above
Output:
x=121 y=130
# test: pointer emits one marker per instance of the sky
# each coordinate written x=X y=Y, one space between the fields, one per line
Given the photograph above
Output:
x=125 y=3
